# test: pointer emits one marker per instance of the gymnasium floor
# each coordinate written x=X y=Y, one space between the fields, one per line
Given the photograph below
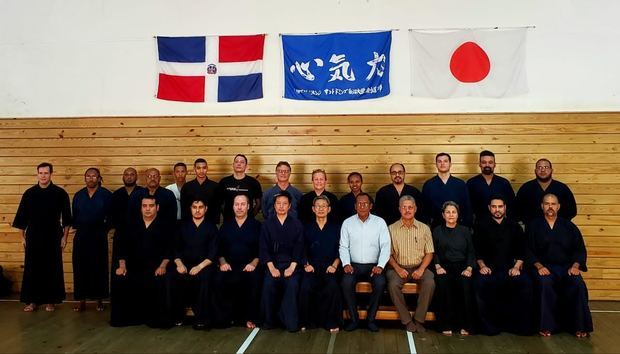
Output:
x=67 y=332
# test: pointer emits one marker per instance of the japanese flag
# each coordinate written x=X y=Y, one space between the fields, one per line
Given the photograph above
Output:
x=484 y=63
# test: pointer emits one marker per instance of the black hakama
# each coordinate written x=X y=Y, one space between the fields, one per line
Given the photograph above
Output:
x=320 y=301
x=454 y=296
x=281 y=244
x=237 y=297
x=504 y=301
x=562 y=299
x=43 y=213
x=148 y=296
x=195 y=244
x=121 y=291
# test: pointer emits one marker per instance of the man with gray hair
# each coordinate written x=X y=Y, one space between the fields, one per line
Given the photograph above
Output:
x=412 y=252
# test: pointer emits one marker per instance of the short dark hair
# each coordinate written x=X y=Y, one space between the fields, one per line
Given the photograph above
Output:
x=99 y=176
x=200 y=160
x=150 y=197
x=362 y=194
x=179 y=164
x=285 y=194
x=443 y=154
x=484 y=153
x=355 y=174
x=543 y=159
x=284 y=163
x=241 y=155
x=497 y=197
x=45 y=164
x=197 y=199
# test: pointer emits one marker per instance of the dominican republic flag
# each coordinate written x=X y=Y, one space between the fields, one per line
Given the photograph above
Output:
x=483 y=63
x=212 y=68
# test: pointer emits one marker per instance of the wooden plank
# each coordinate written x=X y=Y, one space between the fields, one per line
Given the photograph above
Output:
x=270 y=120
x=345 y=130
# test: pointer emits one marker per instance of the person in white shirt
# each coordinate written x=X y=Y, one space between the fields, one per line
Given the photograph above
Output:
x=180 y=173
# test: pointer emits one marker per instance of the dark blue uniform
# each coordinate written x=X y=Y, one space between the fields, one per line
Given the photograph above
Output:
x=562 y=299
x=281 y=244
x=436 y=192
x=304 y=209
x=91 y=221
x=167 y=212
x=320 y=300
x=238 y=292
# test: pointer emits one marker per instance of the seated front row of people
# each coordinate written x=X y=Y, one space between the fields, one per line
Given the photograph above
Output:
x=219 y=275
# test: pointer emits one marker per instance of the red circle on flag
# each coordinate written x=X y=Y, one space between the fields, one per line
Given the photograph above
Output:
x=470 y=63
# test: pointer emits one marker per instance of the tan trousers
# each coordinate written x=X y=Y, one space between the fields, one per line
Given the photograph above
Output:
x=426 y=288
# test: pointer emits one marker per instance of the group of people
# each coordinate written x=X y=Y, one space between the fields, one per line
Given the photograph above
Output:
x=482 y=257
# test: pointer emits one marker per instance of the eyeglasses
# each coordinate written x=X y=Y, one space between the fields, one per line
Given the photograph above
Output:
x=283 y=171
x=363 y=204
x=543 y=168
x=395 y=173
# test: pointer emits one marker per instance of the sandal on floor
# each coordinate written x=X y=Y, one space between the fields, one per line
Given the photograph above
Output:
x=50 y=308
x=544 y=333
x=30 y=308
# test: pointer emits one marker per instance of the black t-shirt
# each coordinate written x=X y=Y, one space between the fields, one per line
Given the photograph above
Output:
x=230 y=187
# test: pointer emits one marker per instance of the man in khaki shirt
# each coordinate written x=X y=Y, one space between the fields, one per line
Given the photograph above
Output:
x=412 y=252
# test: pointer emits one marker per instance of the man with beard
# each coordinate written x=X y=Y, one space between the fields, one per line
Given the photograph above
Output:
x=240 y=183
x=120 y=288
x=445 y=187
x=389 y=195
x=531 y=193
x=504 y=291
x=347 y=202
x=195 y=252
x=91 y=220
x=203 y=188
x=283 y=175
x=486 y=184
x=165 y=199
x=43 y=218
x=558 y=255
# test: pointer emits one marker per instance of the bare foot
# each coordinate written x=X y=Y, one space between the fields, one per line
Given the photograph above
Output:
x=100 y=306
x=464 y=332
x=50 y=308
x=250 y=325
x=334 y=330
x=544 y=333
x=30 y=308
x=80 y=307
x=447 y=333
x=581 y=334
